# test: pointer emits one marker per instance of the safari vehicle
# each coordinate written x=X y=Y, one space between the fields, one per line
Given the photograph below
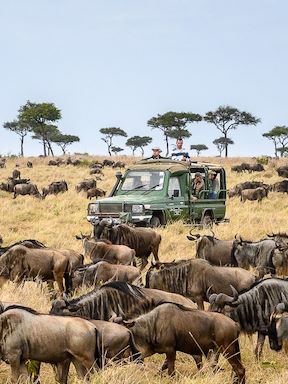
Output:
x=155 y=192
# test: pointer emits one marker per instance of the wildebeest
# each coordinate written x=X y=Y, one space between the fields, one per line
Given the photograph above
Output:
x=54 y=188
x=280 y=186
x=238 y=188
x=116 y=299
x=26 y=189
x=74 y=162
x=85 y=185
x=215 y=251
x=105 y=250
x=119 y=164
x=16 y=174
x=29 y=243
x=96 y=171
x=169 y=328
x=2 y=163
x=278 y=329
x=108 y=163
x=247 y=167
x=20 y=262
x=95 y=164
x=29 y=164
x=260 y=254
x=101 y=272
x=9 y=186
x=54 y=163
x=95 y=192
x=254 y=194
x=252 y=309
x=26 y=334
x=192 y=278
x=143 y=240
x=282 y=171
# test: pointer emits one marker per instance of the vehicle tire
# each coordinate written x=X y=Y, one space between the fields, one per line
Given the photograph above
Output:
x=155 y=222
x=207 y=221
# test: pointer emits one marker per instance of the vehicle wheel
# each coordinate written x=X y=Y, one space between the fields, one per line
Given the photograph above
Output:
x=207 y=221
x=155 y=222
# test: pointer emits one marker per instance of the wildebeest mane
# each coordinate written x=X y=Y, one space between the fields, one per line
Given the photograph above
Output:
x=255 y=306
x=15 y=306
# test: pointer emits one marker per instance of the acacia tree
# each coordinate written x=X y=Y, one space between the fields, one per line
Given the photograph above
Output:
x=221 y=143
x=63 y=141
x=116 y=150
x=279 y=136
x=173 y=125
x=40 y=118
x=135 y=142
x=226 y=118
x=20 y=128
x=198 y=148
x=109 y=134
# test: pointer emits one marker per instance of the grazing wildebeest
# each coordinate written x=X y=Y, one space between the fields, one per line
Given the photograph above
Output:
x=31 y=243
x=143 y=240
x=101 y=272
x=215 y=251
x=25 y=334
x=282 y=171
x=96 y=171
x=169 y=328
x=95 y=192
x=55 y=188
x=252 y=309
x=27 y=189
x=20 y=262
x=29 y=164
x=256 y=168
x=192 y=278
x=85 y=185
x=54 y=163
x=280 y=186
x=16 y=174
x=116 y=299
x=105 y=250
x=254 y=194
x=108 y=163
x=95 y=164
x=238 y=188
x=119 y=164
x=261 y=255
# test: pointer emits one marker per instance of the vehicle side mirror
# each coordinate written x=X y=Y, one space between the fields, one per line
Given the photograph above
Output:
x=175 y=193
x=118 y=175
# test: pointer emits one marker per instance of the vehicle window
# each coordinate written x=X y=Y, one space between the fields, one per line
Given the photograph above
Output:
x=143 y=181
x=173 y=186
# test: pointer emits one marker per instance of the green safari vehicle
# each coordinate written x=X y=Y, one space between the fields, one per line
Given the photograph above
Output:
x=156 y=192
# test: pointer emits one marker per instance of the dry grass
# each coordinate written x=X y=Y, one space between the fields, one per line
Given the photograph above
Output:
x=56 y=220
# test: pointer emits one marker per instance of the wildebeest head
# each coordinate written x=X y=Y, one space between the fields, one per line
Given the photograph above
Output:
x=221 y=302
x=61 y=306
x=278 y=329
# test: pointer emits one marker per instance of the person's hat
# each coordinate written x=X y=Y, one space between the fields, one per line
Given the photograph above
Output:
x=198 y=174
x=156 y=149
x=211 y=172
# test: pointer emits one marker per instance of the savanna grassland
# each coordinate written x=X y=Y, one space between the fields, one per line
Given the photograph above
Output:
x=56 y=220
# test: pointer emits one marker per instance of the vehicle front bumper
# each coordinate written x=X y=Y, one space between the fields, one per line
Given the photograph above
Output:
x=135 y=219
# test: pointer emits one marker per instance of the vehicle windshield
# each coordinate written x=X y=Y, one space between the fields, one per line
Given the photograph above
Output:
x=143 y=181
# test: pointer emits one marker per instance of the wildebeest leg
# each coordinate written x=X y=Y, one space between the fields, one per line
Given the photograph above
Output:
x=171 y=357
x=232 y=354
x=18 y=370
x=155 y=250
x=259 y=345
x=59 y=280
x=61 y=371
x=83 y=370
x=144 y=262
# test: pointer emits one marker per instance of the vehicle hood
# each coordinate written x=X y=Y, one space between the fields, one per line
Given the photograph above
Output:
x=132 y=199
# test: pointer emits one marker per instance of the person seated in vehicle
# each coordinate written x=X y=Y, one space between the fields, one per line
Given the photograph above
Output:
x=214 y=185
x=179 y=152
x=198 y=185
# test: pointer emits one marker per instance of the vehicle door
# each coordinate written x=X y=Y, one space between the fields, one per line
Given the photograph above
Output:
x=178 y=205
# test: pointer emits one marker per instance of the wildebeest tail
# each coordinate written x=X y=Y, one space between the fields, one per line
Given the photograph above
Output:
x=68 y=282
x=233 y=258
x=98 y=350
x=136 y=354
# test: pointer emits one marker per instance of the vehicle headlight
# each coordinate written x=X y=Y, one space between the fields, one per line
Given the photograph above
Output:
x=93 y=209
x=137 y=208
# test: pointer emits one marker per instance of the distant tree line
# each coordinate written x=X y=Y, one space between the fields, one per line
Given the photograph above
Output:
x=41 y=121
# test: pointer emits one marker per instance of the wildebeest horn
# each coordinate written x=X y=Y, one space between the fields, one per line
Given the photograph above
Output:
x=234 y=292
x=197 y=235
x=208 y=291
x=77 y=237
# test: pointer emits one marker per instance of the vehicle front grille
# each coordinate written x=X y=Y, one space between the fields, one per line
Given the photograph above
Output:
x=110 y=208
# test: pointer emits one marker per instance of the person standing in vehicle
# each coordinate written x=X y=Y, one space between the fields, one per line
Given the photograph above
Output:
x=156 y=154
x=214 y=185
x=180 y=153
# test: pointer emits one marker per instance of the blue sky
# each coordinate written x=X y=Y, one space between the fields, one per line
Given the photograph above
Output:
x=118 y=63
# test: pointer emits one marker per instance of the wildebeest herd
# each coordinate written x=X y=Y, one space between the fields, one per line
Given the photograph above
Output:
x=117 y=320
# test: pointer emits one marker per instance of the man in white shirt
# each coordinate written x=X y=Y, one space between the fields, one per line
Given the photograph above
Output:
x=180 y=153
